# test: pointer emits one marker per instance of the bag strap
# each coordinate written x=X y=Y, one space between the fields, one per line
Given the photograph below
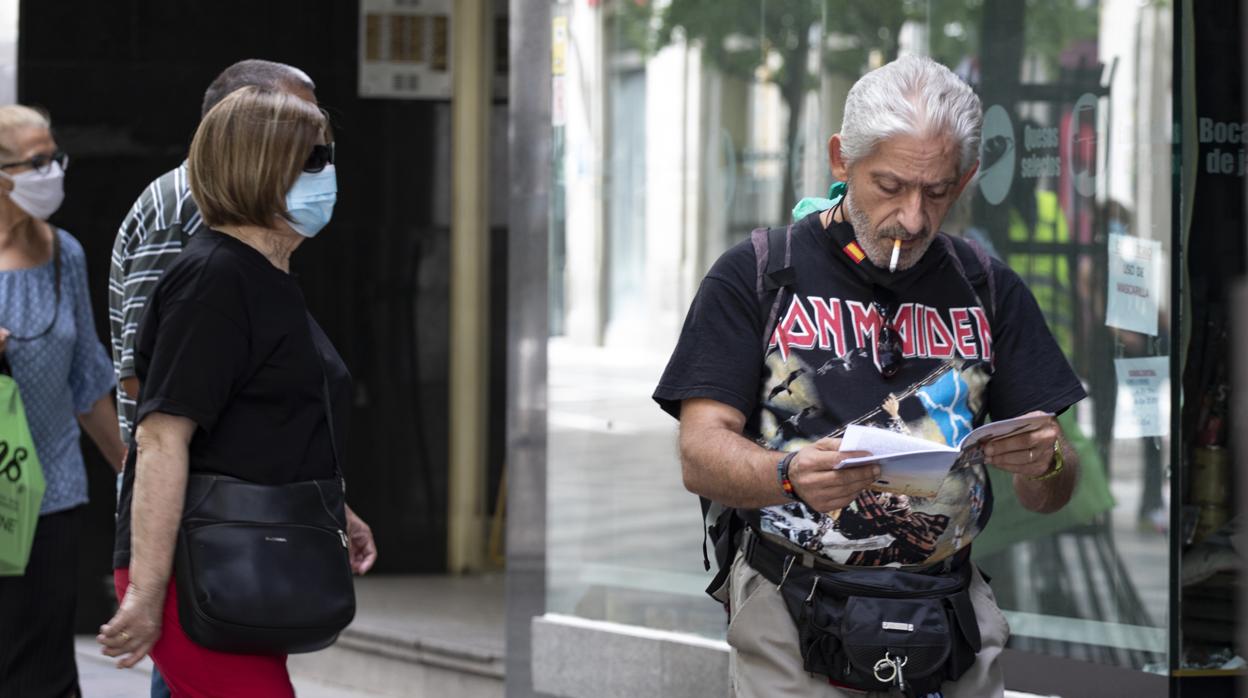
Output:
x=329 y=420
x=773 y=254
x=715 y=529
x=974 y=264
x=706 y=511
x=329 y=407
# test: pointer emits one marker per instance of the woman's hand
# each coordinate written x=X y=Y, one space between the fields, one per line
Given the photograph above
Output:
x=156 y=512
x=363 y=549
x=135 y=627
x=100 y=423
x=4 y=339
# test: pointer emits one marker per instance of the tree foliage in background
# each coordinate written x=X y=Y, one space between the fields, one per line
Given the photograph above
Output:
x=770 y=40
x=1052 y=26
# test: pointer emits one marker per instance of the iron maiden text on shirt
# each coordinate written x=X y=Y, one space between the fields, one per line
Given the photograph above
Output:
x=828 y=322
x=829 y=341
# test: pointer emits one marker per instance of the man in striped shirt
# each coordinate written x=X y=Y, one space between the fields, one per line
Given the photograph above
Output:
x=162 y=219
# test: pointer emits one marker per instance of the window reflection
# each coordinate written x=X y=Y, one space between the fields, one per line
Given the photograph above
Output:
x=685 y=124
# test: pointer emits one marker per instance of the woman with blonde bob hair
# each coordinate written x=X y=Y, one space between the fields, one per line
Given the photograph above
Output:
x=235 y=377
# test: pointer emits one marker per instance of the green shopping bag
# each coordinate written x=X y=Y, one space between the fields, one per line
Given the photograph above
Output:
x=21 y=481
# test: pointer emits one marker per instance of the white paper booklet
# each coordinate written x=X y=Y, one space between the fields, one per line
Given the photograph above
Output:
x=917 y=467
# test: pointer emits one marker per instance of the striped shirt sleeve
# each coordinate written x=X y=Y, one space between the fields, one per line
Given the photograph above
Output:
x=150 y=238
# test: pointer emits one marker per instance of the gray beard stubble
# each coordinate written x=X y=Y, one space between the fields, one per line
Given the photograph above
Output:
x=878 y=251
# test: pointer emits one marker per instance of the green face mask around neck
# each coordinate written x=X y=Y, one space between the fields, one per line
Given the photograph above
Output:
x=813 y=204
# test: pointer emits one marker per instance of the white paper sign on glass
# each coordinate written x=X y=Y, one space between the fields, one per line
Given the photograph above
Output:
x=1143 y=407
x=1135 y=266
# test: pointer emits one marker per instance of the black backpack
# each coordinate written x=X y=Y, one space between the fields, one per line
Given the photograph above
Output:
x=723 y=526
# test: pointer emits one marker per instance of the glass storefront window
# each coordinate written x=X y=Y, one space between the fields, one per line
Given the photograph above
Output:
x=681 y=125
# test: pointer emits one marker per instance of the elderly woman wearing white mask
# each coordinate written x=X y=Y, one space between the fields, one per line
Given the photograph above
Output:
x=49 y=341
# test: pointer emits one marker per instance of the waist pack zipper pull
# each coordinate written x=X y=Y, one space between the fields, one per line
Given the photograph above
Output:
x=881 y=669
x=343 y=536
x=788 y=565
x=813 y=587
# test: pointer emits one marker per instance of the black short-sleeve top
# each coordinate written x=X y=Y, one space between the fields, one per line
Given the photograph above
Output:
x=819 y=371
x=227 y=341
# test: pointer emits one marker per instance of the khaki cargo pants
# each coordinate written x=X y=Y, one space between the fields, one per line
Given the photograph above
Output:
x=766 y=661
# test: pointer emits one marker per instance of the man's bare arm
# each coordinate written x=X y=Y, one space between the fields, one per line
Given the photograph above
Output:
x=131 y=387
x=721 y=464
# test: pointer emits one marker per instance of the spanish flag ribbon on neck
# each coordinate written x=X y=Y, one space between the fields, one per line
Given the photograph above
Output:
x=854 y=252
x=809 y=205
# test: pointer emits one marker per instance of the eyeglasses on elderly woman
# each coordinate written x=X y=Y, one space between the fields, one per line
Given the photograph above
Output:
x=41 y=163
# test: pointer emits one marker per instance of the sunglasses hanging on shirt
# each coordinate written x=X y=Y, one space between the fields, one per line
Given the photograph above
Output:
x=888 y=349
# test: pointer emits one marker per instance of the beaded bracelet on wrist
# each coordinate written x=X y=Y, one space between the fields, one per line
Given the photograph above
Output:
x=782 y=474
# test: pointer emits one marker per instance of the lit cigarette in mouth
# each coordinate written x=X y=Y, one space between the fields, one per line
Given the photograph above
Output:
x=892 y=264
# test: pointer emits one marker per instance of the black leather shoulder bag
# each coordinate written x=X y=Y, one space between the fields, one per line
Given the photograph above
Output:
x=265 y=569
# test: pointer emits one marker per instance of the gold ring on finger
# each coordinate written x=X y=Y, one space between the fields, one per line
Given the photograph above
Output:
x=125 y=636
x=1031 y=454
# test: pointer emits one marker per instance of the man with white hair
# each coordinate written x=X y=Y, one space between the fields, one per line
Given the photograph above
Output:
x=865 y=313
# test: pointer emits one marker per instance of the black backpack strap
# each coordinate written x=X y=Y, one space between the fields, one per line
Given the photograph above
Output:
x=726 y=533
x=762 y=255
x=975 y=266
x=778 y=271
x=773 y=253
x=706 y=511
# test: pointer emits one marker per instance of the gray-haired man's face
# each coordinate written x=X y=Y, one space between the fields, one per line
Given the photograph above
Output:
x=902 y=191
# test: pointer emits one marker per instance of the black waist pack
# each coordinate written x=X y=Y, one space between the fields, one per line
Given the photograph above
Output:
x=876 y=629
x=263 y=569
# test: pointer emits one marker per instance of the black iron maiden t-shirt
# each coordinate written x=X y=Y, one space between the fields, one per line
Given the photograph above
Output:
x=819 y=374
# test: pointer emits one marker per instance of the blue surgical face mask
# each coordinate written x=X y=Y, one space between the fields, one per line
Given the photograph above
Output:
x=310 y=202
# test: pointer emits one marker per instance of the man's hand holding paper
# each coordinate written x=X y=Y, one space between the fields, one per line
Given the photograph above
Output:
x=918 y=467
x=1029 y=453
x=819 y=481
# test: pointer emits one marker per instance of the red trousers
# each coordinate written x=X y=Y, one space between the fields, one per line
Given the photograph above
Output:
x=192 y=671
